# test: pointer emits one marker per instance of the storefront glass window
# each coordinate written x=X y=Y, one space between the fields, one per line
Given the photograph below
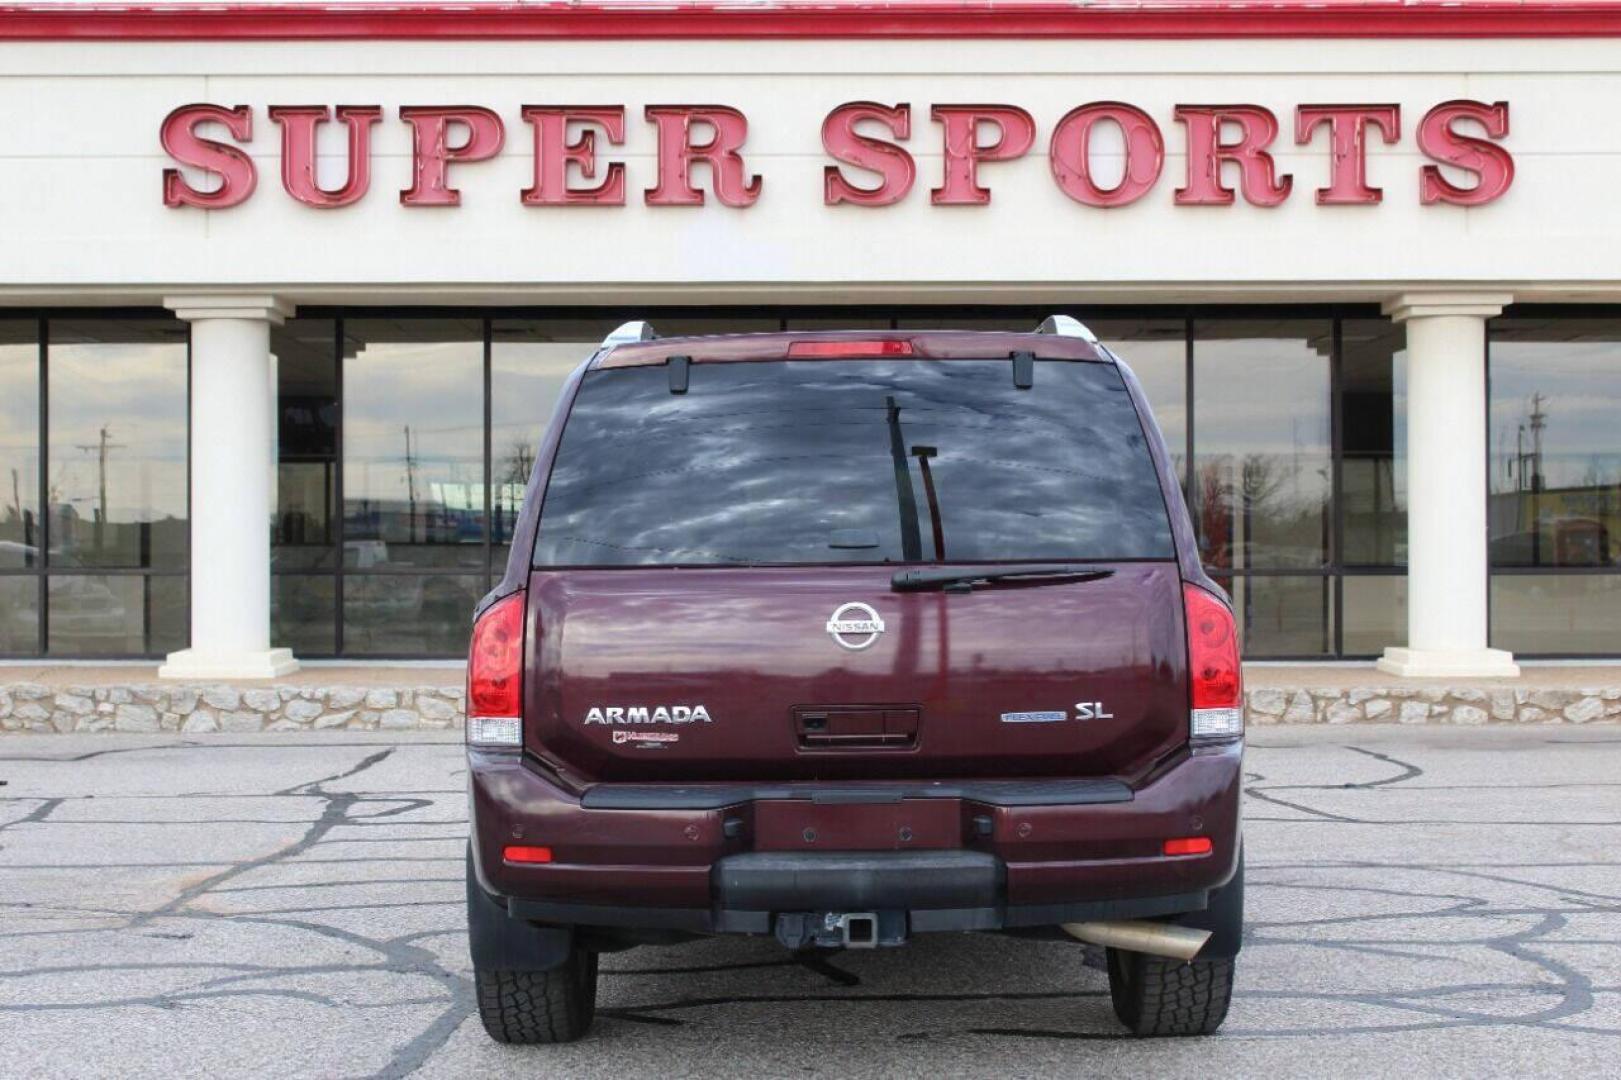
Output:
x=1156 y=350
x=1262 y=480
x=1555 y=459
x=117 y=469
x=1556 y=614
x=19 y=445
x=530 y=360
x=19 y=614
x=1283 y=614
x=117 y=529
x=1554 y=472
x=408 y=614
x=1373 y=423
x=1373 y=613
x=413 y=444
x=303 y=535
x=1262 y=484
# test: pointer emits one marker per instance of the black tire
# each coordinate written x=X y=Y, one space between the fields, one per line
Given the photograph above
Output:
x=527 y=1007
x=1155 y=996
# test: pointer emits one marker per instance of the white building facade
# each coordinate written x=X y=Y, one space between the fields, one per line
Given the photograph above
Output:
x=291 y=288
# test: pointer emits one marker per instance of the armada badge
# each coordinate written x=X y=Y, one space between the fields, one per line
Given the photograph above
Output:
x=642 y=714
x=855 y=626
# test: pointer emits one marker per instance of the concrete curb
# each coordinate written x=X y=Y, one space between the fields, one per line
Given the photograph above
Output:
x=27 y=707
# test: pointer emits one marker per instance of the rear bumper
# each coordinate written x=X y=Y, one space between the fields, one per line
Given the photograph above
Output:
x=725 y=859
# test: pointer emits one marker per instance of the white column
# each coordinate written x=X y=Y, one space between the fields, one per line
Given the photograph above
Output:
x=232 y=476
x=1446 y=487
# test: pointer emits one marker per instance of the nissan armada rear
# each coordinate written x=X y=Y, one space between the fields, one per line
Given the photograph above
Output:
x=840 y=638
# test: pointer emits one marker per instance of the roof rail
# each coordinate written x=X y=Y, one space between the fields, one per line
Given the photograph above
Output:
x=1064 y=326
x=630 y=333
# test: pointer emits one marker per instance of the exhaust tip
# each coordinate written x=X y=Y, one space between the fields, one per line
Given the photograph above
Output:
x=1154 y=938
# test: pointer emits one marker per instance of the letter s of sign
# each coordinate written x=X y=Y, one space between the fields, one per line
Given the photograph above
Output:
x=299 y=124
x=231 y=164
x=894 y=166
x=1492 y=163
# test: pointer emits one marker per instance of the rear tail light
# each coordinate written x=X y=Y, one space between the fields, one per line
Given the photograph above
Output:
x=1213 y=667
x=888 y=347
x=495 y=676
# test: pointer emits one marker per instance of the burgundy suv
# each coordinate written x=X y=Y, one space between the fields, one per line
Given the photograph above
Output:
x=845 y=637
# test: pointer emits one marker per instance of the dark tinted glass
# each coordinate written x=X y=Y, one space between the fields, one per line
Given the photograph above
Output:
x=304 y=533
x=1555 y=457
x=304 y=613
x=852 y=462
x=19 y=444
x=118 y=443
x=1262 y=447
x=1373 y=381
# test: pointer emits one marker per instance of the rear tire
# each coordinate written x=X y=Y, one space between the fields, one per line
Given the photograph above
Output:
x=528 y=1007
x=1157 y=996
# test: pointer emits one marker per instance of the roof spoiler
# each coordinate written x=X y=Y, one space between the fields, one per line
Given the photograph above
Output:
x=1064 y=326
x=629 y=334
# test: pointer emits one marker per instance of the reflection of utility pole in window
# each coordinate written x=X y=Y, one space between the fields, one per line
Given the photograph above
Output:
x=509 y=486
x=101 y=447
x=410 y=489
x=1539 y=420
x=1530 y=478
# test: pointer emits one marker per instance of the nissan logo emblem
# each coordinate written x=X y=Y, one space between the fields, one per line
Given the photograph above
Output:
x=855 y=626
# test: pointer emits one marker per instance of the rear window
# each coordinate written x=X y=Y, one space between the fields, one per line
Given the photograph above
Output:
x=860 y=461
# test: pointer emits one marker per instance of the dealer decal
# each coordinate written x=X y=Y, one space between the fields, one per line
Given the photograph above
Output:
x=646 y=739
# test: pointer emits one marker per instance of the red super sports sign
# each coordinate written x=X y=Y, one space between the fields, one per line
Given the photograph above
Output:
x=868 y=143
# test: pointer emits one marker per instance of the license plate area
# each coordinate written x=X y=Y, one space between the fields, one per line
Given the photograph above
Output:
x=891 y=825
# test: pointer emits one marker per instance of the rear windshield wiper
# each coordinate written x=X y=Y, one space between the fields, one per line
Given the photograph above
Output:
x=924 y=580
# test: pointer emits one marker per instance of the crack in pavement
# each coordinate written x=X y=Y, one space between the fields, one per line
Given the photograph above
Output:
x=1453 y=944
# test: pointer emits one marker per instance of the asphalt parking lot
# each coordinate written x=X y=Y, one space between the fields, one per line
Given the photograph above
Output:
x=1423 y=901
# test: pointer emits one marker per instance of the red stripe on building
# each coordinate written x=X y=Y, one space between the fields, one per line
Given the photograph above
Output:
x=904 y=19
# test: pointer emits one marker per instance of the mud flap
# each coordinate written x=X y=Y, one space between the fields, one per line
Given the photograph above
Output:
x=1224 y=918
x=499 y=942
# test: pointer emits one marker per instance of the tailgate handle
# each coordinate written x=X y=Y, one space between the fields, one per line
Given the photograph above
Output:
x=856 y=727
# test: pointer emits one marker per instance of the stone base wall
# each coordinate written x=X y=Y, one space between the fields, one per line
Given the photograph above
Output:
x=1432 y=705
x=153 y=707
x=157 y=707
